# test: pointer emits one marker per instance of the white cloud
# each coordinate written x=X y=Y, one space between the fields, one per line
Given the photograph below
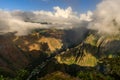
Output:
x=23 y=22
x=106 y=18
x=86 y=17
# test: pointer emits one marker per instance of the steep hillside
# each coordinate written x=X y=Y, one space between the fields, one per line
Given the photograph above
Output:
x=85 y=57
x=45 y=51
x=16 y=52
x=93 y=48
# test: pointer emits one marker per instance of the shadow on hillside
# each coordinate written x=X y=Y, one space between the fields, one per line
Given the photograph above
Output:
x=53 y=66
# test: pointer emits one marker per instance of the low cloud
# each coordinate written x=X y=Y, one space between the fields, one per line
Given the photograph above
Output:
x=23 y=22
x=106 y=18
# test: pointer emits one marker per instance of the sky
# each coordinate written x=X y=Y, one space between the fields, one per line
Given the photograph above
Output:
x=32 y=5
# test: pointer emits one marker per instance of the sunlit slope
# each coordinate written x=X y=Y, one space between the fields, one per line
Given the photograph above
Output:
x=93 y=48
x=16 y=52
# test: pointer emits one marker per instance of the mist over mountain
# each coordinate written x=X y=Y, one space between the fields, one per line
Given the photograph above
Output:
x=103 y=19
x=106 y=17
x=24 y=22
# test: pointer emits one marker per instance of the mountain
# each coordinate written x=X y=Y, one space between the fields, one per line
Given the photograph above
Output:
x=17 y=52
x=52 y=52
x=93 y=48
